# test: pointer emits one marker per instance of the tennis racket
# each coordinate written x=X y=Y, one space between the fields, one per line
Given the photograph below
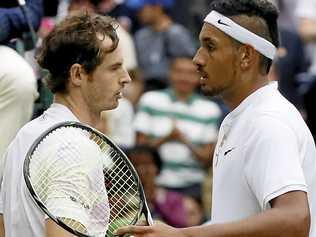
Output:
x=83 y=181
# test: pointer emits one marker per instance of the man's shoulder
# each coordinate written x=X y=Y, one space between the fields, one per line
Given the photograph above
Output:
x=279 y=124
x=32 y=129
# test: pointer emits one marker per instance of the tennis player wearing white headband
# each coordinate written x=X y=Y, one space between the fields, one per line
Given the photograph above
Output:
x=241 y=34
x=264 y=163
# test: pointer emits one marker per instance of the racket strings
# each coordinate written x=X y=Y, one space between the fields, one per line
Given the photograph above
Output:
x=113 y=198
x=58 y=193
x=121 y=186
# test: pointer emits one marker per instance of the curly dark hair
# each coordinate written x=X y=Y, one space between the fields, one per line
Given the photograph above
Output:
x=75 y=40
x=264 y=9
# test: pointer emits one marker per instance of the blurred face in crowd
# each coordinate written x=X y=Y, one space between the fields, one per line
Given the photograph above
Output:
x=148 y=13
x=216 y=61
x=102 y=88
x=145 y=166
x=183 y=75
x=147 y=171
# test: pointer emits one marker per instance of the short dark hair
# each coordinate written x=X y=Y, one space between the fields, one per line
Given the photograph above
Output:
x=75 y=40
x=263 y=9
x=145 y=149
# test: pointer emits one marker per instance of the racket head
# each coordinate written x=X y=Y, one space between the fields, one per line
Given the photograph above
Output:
x=125 y=196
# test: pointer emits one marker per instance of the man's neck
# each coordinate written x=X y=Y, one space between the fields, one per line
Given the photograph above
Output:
x=236 y=95
x=79 y=109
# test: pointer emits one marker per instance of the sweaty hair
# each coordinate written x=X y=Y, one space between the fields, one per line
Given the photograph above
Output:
x=262 y=20
x=77 y=39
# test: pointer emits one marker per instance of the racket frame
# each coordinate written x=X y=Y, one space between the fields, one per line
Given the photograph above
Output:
x=143 y=205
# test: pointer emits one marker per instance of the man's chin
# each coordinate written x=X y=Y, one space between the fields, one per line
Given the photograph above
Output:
x=111 y=106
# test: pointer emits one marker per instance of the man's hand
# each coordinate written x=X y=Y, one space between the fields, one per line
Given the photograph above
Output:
x=176 y=135
x=156 y=230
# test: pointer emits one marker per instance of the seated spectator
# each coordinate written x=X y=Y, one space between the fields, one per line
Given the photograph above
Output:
x=291 y=61
x=118 y=124
x=182 y=125
x=158 y=41
x=168 y=206
x=307 y=28
x=13 y=22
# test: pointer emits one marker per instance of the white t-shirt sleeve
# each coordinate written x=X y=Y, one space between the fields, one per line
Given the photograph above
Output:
x=272 y=165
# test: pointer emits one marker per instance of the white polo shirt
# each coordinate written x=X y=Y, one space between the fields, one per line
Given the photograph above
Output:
x=264 y=150
x=21 y=215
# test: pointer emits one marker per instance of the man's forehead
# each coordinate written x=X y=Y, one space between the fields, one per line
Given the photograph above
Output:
x=210 y=32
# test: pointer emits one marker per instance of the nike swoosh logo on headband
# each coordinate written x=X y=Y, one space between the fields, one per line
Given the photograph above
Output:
x=222 y=23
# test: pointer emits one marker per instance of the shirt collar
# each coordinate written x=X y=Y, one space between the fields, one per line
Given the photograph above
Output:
x=60 y=112
x=259 y=94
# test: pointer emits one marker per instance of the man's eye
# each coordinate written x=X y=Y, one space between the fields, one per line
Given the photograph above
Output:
x=116 y=67
x=210 y=47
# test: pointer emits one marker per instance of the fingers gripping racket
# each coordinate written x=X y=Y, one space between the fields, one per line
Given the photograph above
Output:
x=83 y=181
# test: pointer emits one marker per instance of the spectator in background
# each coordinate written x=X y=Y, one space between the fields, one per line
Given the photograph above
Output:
x=17 y=79
x=171 y=207
x=287 y=19
x=158 y=41
x=306 y=12
x=12 y=20
x=182 y=125
x=190 y=14
x=119 y=124
x=118 y=10
x=291 y=61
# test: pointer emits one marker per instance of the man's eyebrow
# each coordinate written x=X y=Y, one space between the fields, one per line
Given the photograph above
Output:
x=116 y=64
x=207 y=40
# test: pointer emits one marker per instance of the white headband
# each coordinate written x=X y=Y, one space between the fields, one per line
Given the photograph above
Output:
x=241 y=34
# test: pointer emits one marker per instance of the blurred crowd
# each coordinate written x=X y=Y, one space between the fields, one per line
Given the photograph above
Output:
x=166 y=126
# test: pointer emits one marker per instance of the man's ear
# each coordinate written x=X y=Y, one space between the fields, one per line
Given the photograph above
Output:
x=77 y=74
x=248 y=56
